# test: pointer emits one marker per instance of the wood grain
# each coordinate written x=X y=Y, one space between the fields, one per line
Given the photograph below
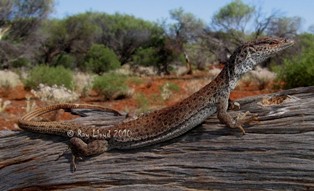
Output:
x=275 y=154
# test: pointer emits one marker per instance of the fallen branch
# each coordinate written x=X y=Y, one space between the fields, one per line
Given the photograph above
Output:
x=277 y=153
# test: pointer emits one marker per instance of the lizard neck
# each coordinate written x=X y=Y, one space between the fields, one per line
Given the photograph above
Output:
x=228 y=77
x=233 y=71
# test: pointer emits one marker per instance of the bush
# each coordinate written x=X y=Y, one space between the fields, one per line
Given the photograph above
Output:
x=167 y=90
x=55 y=94
x=112 y=86
x=84 y=82
x=142 y=103
x=173 y=87
x=50 y=76
x=101 y=59
x=9 y=79
x=20 y=62
x=299 y=71
x=66 y=60
x=145 y=57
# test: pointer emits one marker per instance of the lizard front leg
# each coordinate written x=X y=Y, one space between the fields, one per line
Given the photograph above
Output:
x=80 y=148
x=226 y=118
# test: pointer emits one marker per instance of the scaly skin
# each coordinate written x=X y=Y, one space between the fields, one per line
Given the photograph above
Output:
x=166 y=123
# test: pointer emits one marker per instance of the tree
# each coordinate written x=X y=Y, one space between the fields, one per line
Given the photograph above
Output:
x=262 y=21
x=229 y=27
x=186 y=29
x=101 y=59
x=219 y=44
x=20 y=21
x=233 y=17
x=73 y=35
x=311 y=29
x=76 y=34
x=284 y=26
x=23 y=16
x=125 y=34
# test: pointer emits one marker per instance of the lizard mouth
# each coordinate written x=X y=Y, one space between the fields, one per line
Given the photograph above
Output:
x=287 y=43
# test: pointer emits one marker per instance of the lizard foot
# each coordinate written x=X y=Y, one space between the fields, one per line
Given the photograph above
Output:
x=80 y=148
x=73 y=158
x=73 y=162
x=245 y=119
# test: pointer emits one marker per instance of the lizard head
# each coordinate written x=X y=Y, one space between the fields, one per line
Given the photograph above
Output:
x=252 y=53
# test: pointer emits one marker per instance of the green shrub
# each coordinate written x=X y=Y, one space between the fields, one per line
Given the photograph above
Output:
x=173 y=87
x=157 y=99
x=112 y=86
x=66 y=60
x=20 y=62
x=145 y=57
x=299 y=71
x=142 y=103
x=136 y=80
x=101 y=59
x=167 y=90
x=50 y=76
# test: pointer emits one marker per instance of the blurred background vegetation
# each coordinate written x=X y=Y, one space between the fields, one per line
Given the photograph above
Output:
x=98 y=42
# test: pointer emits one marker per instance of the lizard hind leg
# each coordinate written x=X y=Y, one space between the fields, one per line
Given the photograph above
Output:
x=80 y=148
x=95 y=147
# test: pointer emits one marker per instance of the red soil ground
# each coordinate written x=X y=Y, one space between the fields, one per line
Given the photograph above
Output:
x=149 y=87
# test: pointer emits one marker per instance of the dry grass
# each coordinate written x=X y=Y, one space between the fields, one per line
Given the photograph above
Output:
x=260 y=77
x=9 y=79
x=214 y=72
x=195 y=84
x=4 y=104
x=55 y=94
x=84 y=83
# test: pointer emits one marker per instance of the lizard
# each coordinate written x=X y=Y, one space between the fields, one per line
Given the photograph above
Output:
x=166 y=123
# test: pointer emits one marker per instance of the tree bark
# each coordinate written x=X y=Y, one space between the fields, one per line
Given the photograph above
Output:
x=275 y=154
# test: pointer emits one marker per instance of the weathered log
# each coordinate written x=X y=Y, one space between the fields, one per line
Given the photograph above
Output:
x=275 y=154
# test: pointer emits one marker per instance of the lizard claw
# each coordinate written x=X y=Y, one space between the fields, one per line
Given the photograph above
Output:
x=245 y=119
x=242 y=129
x=73 y=158
x=73 y=162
